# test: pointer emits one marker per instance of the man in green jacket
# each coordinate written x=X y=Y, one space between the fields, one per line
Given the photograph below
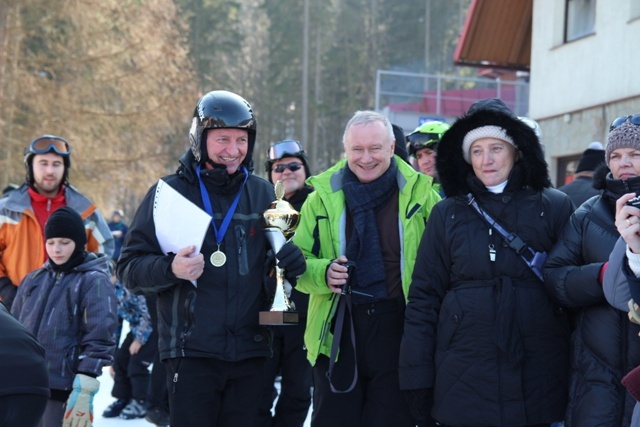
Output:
x=359 y=232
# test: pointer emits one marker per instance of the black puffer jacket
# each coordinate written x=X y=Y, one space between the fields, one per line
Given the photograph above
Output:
x=485 y=335
x=219 y=318
x=605 y=344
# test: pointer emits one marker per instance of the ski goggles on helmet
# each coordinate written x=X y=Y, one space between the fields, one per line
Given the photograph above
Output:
x=291 y=166
x=635 y=120
x=49 y=144
x=421 y=140
x=284 y=149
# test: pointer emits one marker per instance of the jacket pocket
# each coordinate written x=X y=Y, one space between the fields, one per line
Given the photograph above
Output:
x=449 y=320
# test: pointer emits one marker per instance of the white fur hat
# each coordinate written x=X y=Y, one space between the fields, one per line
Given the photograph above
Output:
x=488 y=131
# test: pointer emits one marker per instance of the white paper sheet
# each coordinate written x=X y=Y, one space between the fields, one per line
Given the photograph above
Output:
x=179 y=222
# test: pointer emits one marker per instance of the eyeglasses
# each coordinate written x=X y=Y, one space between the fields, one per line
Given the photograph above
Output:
x=635 y=120
x=284 y=148
x=291 y=166
x=420 y=140
x=48 y=143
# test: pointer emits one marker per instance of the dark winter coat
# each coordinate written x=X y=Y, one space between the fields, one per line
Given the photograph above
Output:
x=24 y=369
x=300 y=299
x=218 y=318
x=73 y=315
x=605 y=344
x=580 y=189
x=486 y=336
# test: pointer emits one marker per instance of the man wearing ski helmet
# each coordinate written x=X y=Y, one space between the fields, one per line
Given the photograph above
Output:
x=24 y=211
x=209 y=336
x=423 y=145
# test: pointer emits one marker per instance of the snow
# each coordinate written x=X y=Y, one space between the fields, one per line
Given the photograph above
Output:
x=103 y=399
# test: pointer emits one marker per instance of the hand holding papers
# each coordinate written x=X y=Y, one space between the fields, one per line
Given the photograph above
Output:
x=179 y=222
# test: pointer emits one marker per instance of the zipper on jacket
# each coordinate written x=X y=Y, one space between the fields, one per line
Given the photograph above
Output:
x=243 y=263
x=45 y=300
x=189 y=308
x=326 y=324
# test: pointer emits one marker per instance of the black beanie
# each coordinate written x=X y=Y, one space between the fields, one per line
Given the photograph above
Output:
x=591 y=158
x=66 y=222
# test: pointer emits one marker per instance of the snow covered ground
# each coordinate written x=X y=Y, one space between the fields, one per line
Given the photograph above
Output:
x=104 y=399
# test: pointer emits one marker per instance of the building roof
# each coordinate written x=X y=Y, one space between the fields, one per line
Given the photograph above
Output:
x=497 y=34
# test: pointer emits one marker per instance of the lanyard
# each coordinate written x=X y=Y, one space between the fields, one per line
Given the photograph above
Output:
x=207 y=206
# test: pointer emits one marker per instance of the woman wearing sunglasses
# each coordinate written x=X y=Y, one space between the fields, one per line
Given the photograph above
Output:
x=287 y=162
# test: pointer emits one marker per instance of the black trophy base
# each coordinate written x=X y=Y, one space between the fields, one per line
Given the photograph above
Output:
x=278 y=318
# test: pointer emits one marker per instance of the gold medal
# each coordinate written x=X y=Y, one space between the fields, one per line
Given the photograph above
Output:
x=218 y=258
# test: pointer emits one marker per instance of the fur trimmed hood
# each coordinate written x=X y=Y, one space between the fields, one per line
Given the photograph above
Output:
x=453 y=169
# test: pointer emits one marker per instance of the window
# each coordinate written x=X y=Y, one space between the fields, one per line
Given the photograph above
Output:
x=566 y=169
x=580 y=19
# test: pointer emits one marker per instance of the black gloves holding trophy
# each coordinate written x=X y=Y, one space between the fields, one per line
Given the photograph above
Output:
x=280 y=222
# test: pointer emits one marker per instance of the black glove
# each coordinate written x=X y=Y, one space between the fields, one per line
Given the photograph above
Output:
x=291 y=260
x=420 y=402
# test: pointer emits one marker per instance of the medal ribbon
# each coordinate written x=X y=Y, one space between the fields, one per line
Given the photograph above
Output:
x=207 y=206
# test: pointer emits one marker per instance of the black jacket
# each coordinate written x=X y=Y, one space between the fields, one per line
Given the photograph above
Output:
x=485 y=335
x=605 y=344
x=580 y=189
x=219 y=318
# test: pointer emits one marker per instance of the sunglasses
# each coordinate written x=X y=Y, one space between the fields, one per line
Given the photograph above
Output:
x=48 y=144
x=284 y=149
x=291 y=166
x=635 y=119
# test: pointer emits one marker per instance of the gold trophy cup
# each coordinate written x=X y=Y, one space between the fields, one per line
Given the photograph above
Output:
x=280 y=222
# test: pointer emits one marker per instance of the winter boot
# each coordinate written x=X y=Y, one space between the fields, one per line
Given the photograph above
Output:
x=135 y=409
x=115 y=408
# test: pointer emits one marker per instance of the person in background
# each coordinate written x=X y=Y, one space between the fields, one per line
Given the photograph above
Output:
x=423 y=147
x=602 y=343
x=210 y=340
x=484 y=344
x=133 y=358
x=400 y=149
x=24 y=211
x=346 y=220
x=9 y=188
x=118 y=230
x=581 y=188
x=70 y=306
x=287 y=162
x=24 y=389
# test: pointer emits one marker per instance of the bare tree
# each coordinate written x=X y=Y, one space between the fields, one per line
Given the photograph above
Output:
x=114 y=79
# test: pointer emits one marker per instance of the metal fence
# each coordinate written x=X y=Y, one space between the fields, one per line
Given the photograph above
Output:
x=410 y=98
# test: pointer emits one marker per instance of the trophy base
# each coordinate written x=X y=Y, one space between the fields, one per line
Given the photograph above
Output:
x=278 y=318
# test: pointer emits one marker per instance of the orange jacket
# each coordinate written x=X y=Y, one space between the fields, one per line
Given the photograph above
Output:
x=21 y=237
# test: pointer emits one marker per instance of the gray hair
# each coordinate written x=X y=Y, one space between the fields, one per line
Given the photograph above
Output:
x=368 y=116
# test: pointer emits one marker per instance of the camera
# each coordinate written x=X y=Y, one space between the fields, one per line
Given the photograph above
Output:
x=346 y=288
x=635 y=202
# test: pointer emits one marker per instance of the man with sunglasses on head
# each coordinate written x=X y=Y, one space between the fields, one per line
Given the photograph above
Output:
x=287 y=162
x=24 y=211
